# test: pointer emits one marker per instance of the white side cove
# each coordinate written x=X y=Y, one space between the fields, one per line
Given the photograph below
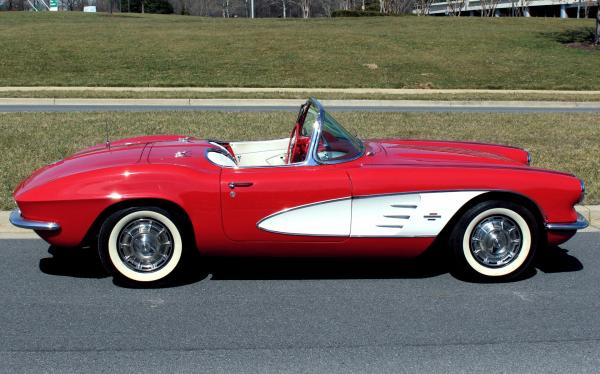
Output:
x=329 y=218
x=398 y=215
x=406 y=215
x=260 y=153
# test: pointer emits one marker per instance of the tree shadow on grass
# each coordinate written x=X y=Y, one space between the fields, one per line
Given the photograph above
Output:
x=581 y=38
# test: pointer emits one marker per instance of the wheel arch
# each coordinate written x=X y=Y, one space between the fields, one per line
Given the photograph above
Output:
x=150 y=202
x=508 y=196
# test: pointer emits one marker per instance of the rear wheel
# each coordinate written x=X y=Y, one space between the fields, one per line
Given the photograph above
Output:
x=141 y=245
x=495 y=240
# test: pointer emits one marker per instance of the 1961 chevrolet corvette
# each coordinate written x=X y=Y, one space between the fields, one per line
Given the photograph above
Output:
x=145 y=201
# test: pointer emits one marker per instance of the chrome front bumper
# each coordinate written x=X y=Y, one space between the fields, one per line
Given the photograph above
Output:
x=17 y=220
x=580 y=224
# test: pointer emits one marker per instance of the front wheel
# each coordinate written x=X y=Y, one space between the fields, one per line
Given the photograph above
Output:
x=495 y=240
x=141 y=245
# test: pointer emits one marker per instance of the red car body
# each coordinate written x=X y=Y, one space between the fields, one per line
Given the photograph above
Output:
x=76 y=191
x=76 y=194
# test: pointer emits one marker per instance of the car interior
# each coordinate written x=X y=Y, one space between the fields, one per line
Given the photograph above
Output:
x=334 y=144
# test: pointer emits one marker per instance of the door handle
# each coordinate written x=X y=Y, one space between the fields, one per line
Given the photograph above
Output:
x=233 y=185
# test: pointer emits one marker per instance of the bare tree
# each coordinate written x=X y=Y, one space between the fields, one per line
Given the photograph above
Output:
x=72 y=4
x=524 y=5
x=455 y=7
x=488 y=7
x=597 y=39
x=328 y=7
x=423 y=7
x=398 y=6
x=305 y=8
x=225 y=8
x=401 y=6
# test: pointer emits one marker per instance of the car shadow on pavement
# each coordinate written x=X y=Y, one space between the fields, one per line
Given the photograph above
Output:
x=557 y=260
x=73 y=262
x=433 y=263
x=84 y=263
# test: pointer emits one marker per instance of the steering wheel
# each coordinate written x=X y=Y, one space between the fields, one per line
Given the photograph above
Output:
x=292 y=146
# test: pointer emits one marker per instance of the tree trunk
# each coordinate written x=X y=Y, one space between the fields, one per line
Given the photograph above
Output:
x=283 y=7
x=597 y=41
x=305 y=8
x=110 y=5
x=142 y=6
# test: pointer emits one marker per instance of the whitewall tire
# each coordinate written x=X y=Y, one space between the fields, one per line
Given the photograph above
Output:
x=141 y=245
x=495 y=240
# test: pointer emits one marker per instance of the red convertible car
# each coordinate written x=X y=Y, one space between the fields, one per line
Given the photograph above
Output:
x=144 y=202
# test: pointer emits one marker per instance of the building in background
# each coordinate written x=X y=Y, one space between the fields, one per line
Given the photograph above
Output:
x=514 y=8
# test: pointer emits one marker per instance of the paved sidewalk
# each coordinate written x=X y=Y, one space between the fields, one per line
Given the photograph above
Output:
x=77 y=105
x=296 y=102
x=8 y=231
x=391 y=91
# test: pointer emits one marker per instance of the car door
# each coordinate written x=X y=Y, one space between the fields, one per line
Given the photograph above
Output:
x=288 y=203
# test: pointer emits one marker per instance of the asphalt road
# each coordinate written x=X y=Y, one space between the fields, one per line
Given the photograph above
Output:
x=293 y=108
x=61 y=314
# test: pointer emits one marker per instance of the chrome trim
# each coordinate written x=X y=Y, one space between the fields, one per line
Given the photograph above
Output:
x=145 y=245
x=390 y=226
x=224 y=152
x=528 y=157
x=580 y=224
x=233 y=185
x=496 y=241
x=294 y=234
x=396 y=216
x=582 y=187
x=402 y=205
x=393 y=237
x=17 y=220
x=180 y=154
x=312 y=158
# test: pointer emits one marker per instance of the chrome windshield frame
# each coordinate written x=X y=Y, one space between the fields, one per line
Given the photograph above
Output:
x=312 y=158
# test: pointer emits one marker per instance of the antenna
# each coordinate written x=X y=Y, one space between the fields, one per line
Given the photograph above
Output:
x=107 y=132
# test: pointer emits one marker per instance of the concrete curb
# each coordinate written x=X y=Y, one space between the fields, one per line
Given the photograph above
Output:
x=297 y=102
x=8 y=231
x=393 y=91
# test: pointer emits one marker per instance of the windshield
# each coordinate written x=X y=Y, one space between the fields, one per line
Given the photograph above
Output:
x=336 y=144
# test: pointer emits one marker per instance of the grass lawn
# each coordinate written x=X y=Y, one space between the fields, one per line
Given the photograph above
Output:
x=30 y=140
x=301 y=95
x=70 y=48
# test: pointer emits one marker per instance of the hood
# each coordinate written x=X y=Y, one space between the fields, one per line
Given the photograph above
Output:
x=119 y=153
x=445 y=153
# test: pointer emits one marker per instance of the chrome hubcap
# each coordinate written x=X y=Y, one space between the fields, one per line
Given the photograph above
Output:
x=145 y=245
x=496 y=241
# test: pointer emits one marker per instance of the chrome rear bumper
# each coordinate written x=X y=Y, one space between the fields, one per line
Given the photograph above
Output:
x=581 y=223
x=17 y=220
